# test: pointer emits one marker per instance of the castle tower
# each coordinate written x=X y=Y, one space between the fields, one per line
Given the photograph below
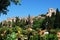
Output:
x=50 y=11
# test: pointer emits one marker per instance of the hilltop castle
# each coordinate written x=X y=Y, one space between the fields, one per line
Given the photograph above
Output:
x=50 y=11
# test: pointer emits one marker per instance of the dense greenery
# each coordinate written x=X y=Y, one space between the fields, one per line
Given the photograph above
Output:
x=24 y=29
x=38 y=23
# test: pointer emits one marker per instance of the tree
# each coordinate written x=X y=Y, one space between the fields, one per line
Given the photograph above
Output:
x=52 y=20
x=4 y=4
x=1 y=24
x=17 y=21
x=22 y=23
x=43 y=15
x=57 y=19
x=9 y=24
x=29 y=21
x=13 y=23
x=38 y=23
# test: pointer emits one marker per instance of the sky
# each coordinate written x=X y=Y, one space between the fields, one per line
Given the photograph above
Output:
x=32 y=7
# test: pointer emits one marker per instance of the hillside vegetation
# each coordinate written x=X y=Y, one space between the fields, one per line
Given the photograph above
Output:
x=27 y=30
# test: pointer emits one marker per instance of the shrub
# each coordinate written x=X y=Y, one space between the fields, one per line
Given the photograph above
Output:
x=51 y=37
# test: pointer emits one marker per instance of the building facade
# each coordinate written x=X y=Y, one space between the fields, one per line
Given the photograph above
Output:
x=50 y=11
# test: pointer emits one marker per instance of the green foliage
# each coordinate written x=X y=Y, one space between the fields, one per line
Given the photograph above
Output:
x=11 y=36
x=37 y=23
x=5 y=3
x=57 y=19
x=43 y=15
x=53 y=31
x=17 y=22
x=22 y=23
x=35 y=37
x=18 y=29
x=1 y=24
x=50 y=37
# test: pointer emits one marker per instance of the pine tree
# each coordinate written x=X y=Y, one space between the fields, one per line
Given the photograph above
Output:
x=57 y=19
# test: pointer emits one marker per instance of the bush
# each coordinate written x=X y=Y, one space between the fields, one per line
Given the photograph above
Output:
x=51 y=37
x=53 y=31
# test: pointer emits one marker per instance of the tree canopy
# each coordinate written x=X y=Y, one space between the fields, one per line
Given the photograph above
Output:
x=5 y=3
